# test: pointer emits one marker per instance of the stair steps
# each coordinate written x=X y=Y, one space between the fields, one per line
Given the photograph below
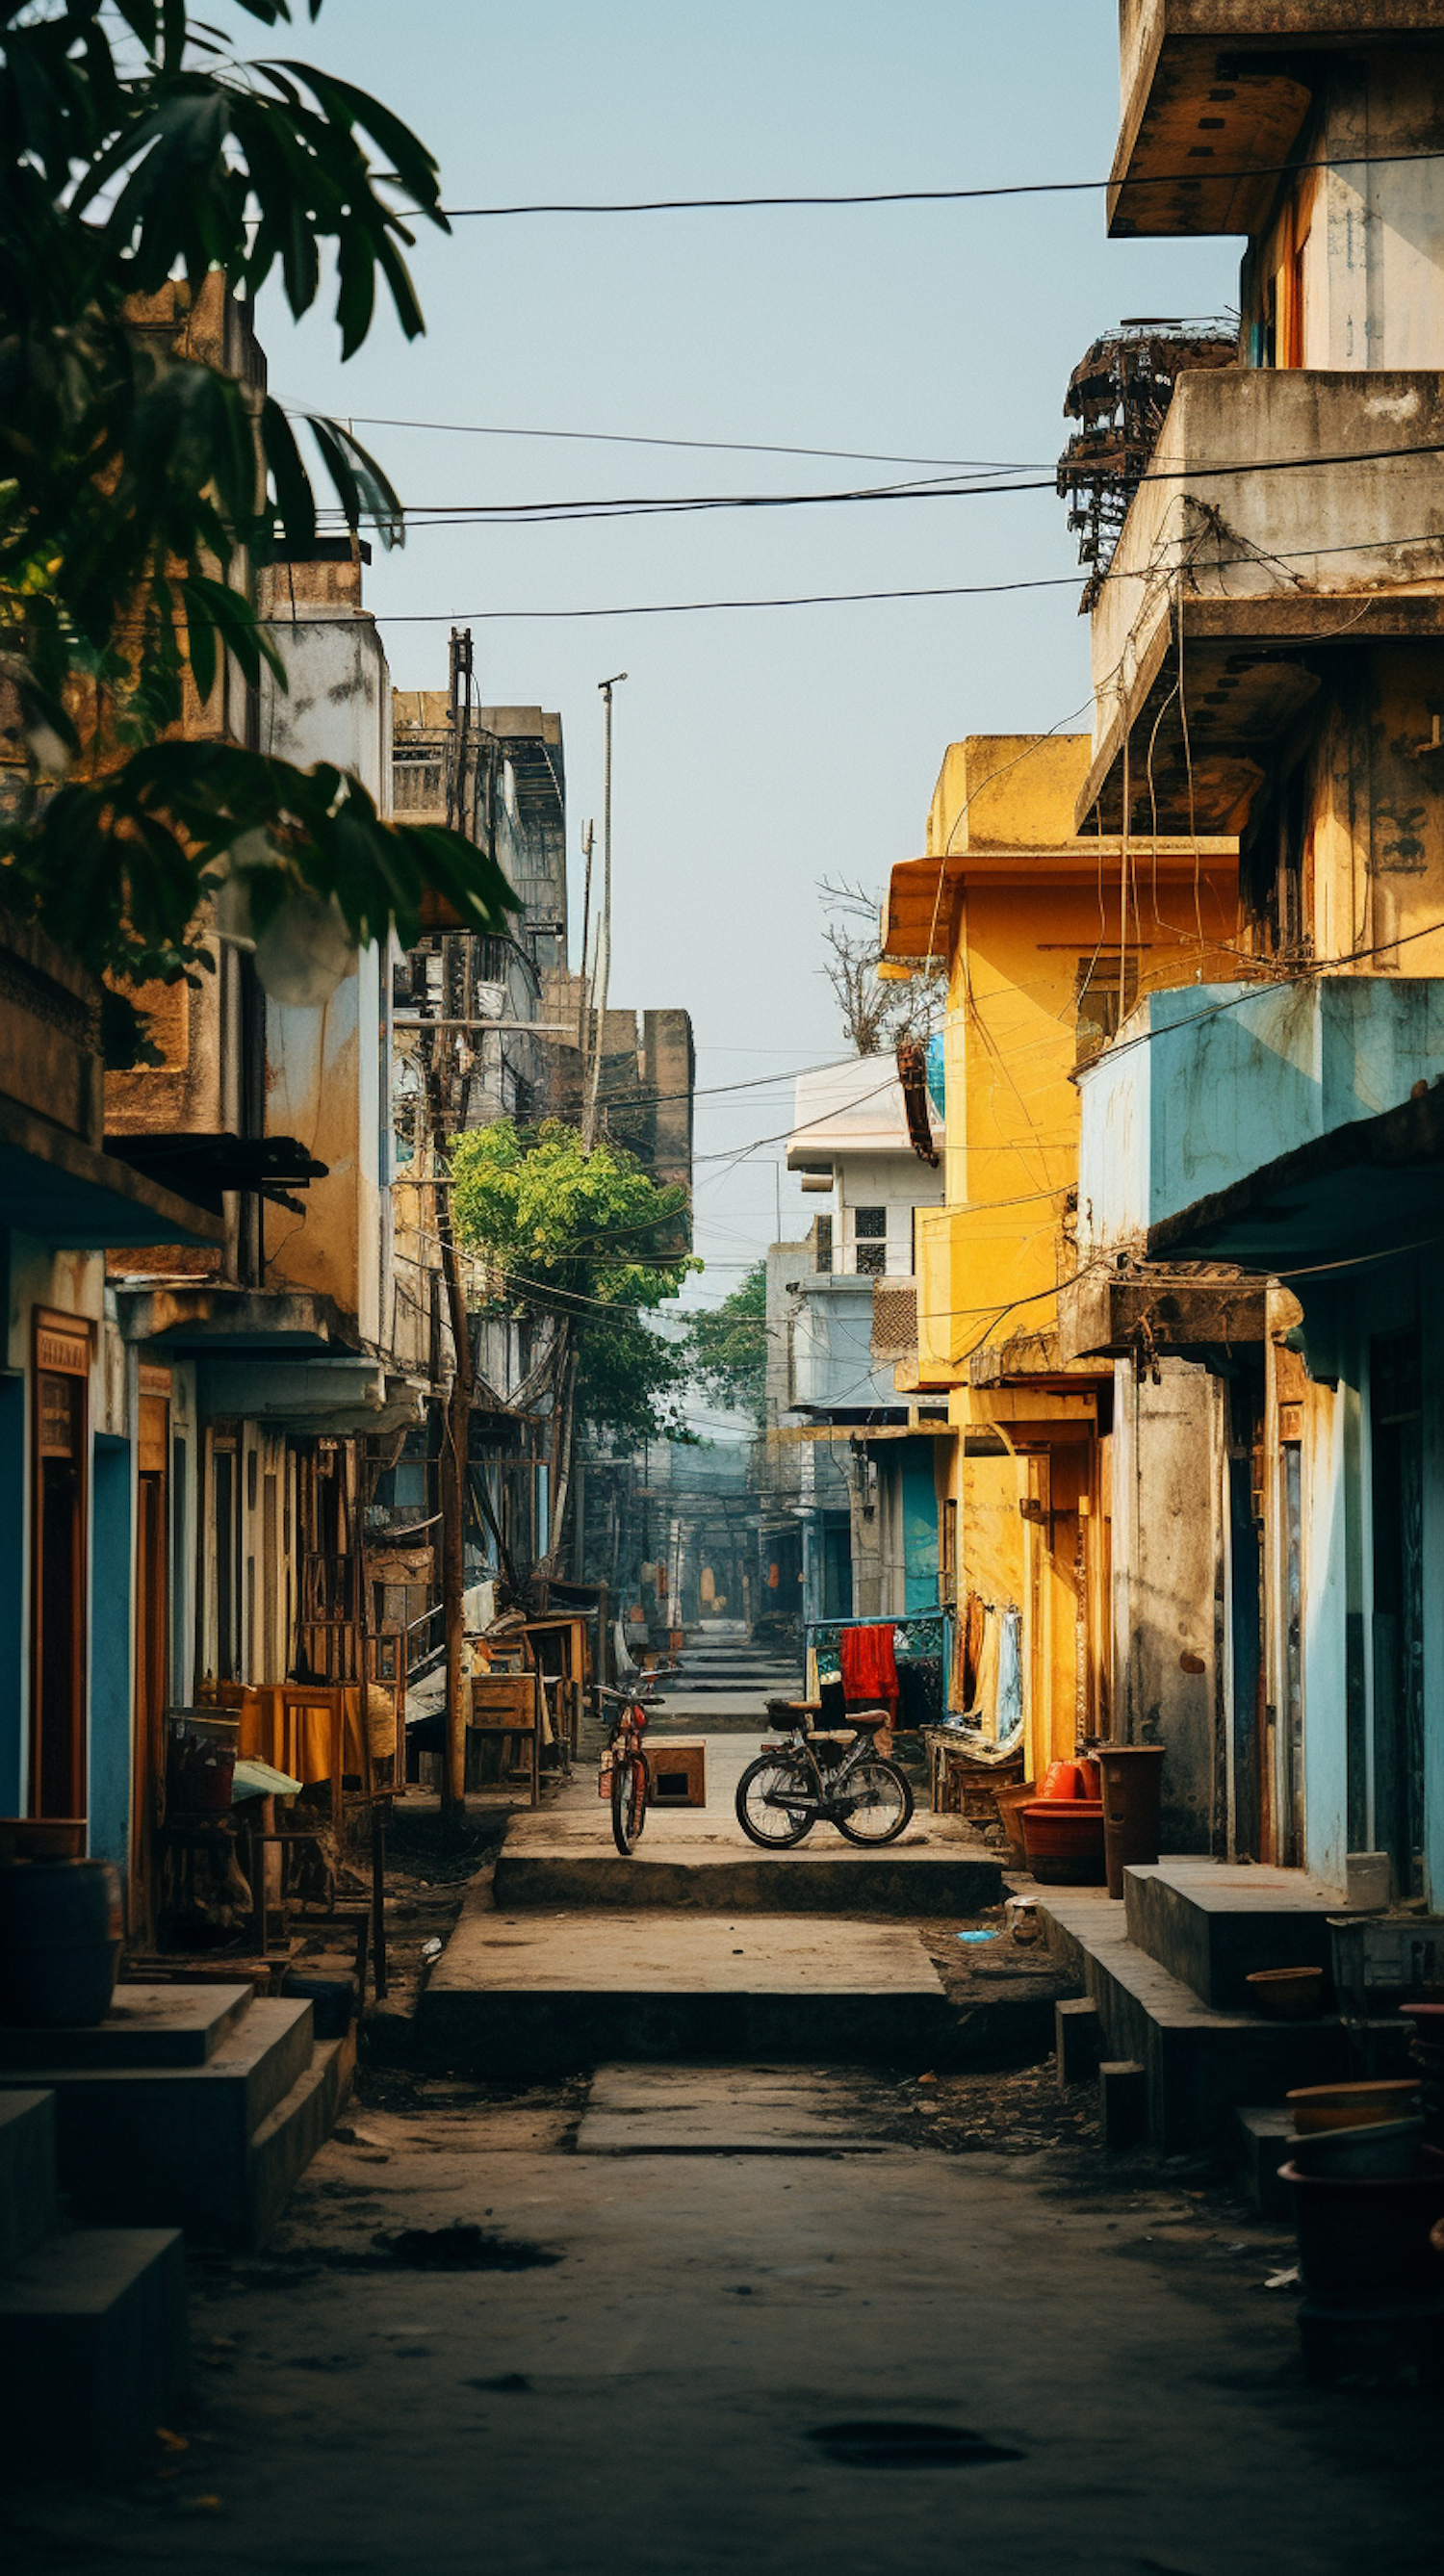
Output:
x=190 y=2107
x=93 y=2347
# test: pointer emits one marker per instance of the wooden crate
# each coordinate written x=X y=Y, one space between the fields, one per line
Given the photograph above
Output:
x=679 y=1774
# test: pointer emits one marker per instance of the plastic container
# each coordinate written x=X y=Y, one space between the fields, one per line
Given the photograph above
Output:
x=61 y=1927
x=1132 y=1793
x=1063 y=1839
x=1064 y=1780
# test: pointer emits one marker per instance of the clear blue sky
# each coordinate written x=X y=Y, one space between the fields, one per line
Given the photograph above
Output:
x=756 y=751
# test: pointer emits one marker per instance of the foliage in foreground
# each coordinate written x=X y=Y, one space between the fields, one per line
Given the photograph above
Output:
x=138 y=156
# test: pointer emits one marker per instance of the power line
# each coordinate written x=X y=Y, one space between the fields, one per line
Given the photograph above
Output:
x=449 y=514
x=711 y=446
x=935 y=196
x=851 y=598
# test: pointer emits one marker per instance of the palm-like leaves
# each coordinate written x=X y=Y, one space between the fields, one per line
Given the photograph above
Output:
x=138 y=486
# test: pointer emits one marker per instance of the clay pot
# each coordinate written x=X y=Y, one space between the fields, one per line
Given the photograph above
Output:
x=1374 y=2147
x=1063 y=1839
x=1286 y=1994
x=1132 y=1790
x=1364 y=2242
x=61 y=1927
x=1351 y=2106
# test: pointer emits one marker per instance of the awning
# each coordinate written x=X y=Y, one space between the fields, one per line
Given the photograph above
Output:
x=1361 y=1192
x=66 y=1193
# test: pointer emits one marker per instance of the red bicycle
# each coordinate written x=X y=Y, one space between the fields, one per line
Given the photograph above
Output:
x=624 y=1761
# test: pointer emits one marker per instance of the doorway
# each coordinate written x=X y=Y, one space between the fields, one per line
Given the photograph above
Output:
x=1397 y=1492
x=58 y=1509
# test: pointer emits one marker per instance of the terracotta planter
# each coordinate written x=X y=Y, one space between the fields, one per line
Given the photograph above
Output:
x=1350 y=2106
x=1286 y=1994
x=1132 y=1791
x=1063 y=1839
x=61 y=1926
x=1365 y=2242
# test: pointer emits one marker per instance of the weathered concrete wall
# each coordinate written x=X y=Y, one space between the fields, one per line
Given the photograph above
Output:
x=1168 y=1586
x=1231 y=1076
x=324 y=1071
x=1361 y=525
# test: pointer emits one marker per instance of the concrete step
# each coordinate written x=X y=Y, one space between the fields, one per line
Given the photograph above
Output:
x=693 y=1862
x=169 y=2146
x=512 y=1991
x=1199 y=2062
x=27 y=2174
x=145 y=2026
x=1262 y=2139
x=1209 y=1923
x=92 y=2349
x=641 y=2110
x=290 y=2135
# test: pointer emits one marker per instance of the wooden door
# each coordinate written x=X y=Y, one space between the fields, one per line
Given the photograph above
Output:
x=58 y=1563
x=152 y=1637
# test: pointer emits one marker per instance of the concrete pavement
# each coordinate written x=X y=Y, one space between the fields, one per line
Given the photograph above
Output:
x=656 y=2388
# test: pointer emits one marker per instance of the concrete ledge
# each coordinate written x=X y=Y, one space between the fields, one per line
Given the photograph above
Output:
x=27 y=2174
x=93 y=2350
x=825 y=1882
x=145 y=2026
x=1210 y=1923
x=512 y=1990
x=169 y=2145
x=1199 y=2063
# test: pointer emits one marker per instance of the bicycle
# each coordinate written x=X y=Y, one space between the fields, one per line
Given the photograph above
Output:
x=781 y=1795
x=625 y=1760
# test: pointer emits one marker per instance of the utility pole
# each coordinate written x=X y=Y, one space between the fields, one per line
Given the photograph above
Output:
x=604 y=932
x=586 y=951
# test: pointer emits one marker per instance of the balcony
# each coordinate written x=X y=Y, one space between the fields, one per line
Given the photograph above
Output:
x=835 y=1367
x=1208 y=1087
x=1215 y=87
x=1240 y=568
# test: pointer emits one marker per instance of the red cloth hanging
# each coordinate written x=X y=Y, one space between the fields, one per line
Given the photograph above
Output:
x=869 y=1667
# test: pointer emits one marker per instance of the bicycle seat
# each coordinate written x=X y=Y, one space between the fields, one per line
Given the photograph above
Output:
x=868 y=1720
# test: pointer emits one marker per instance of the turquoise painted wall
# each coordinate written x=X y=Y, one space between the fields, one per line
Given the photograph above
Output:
x=920 y=1525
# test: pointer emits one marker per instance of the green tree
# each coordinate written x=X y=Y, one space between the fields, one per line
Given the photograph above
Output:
x=138 y=487
x=727 y=1348
x=587 y=1239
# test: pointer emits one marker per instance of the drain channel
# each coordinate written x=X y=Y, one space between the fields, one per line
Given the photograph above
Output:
x=888 y=2445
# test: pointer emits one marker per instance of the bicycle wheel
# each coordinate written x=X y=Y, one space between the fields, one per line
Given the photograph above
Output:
x=884 y=1803
x=630 y=1780
x=776 y=1828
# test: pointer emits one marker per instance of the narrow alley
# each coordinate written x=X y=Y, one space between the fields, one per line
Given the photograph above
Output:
x=721 y=1416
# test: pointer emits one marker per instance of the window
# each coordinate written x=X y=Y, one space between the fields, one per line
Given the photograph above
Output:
x=823 y=1241
x=869 y=1228
x=1101 y=1005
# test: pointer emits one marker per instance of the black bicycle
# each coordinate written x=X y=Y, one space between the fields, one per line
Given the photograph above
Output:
x=782 y=1795
x=625 y=1760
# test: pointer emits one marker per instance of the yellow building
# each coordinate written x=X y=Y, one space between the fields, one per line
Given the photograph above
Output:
x=1048 y=939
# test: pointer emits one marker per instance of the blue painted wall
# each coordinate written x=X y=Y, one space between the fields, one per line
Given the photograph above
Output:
x=110 y=1590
